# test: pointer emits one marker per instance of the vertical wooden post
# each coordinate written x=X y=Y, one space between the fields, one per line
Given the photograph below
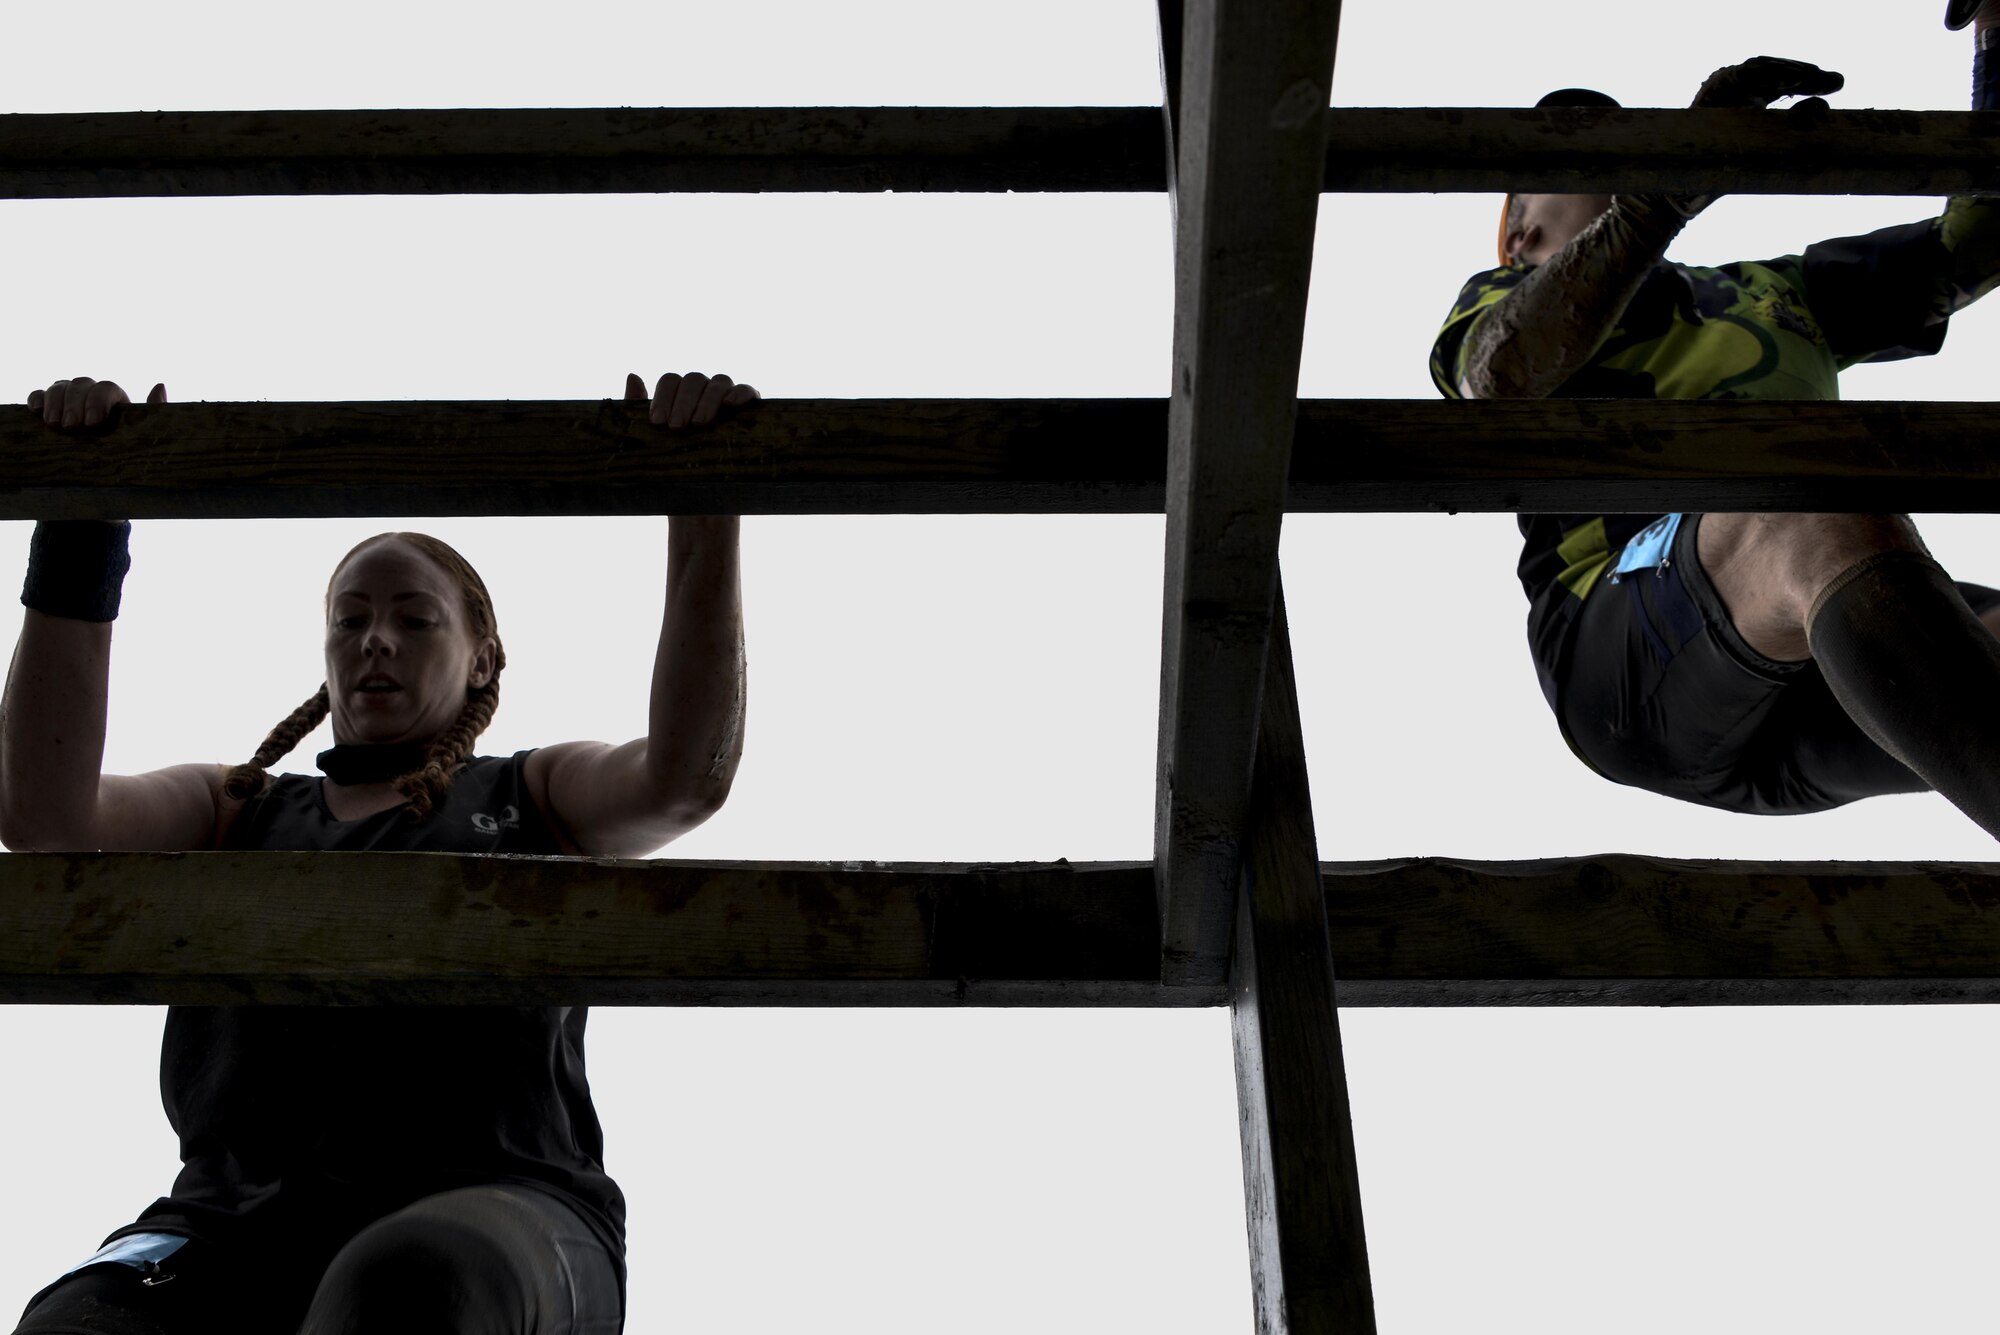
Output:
x=1171 y=20
x=1250 y=160
x=1308 y=1253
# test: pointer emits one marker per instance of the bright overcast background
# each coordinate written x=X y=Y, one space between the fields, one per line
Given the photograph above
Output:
x=985 y=687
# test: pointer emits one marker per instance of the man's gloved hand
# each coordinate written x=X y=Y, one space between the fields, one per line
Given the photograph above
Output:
x=1762 y=80
x=1757 y=82
x=1958 y=13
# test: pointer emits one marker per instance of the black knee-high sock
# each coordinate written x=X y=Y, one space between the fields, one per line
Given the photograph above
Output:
x=1918 y=672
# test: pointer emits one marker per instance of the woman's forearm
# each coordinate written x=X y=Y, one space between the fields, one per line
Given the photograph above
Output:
x=695 y=729
x=52 y=724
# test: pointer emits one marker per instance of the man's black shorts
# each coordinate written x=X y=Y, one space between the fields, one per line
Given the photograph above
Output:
x=1660 y=692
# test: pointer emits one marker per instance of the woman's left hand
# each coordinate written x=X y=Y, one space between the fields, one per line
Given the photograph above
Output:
x=693 y=399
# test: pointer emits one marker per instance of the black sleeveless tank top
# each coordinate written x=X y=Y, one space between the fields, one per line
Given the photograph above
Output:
x=300 y=1125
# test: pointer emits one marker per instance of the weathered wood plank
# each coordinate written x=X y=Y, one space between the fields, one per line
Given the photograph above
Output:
x=1603 y=149
x=1637 y=456
x=1301 y=1183
x=1625 y=930
x=589 y=457
x=579 y=151
x=1252 y=125
x=1171 y=15
x=340 y=928
x=752 y=149
x=351 y=927
x=859 y=456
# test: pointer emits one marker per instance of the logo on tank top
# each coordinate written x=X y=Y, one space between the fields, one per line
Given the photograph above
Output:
x=510 y=819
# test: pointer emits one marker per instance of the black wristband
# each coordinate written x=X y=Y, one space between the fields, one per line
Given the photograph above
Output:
x=76 y=568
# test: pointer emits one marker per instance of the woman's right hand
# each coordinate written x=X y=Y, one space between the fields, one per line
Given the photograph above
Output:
x=83 y=401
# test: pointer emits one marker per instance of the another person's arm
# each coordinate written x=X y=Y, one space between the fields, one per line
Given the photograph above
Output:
x=53 y=793
x=1547 y=328
x=626 y=801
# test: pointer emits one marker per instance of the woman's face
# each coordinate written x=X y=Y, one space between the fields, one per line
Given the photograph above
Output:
x=400 y=655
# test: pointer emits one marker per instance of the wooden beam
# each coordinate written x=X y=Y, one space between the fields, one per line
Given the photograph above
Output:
x=1301 y=1184
x=593 y=457
x=415 y=928
x=149 y=928
x=1172 y=19
x=580 y=151
x=1597 y=149
x=1254 y=87
x=1639 y=456
x=752 y=149
x=1625 y=930
x=862 y=456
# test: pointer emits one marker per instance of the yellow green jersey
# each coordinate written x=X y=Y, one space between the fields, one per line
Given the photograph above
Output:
x=1772 y=329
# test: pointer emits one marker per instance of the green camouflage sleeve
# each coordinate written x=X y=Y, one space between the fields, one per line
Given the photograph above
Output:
x=1969 y=230
x=1479 y=295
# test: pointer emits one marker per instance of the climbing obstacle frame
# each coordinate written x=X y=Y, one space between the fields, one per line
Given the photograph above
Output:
x=1235 y=907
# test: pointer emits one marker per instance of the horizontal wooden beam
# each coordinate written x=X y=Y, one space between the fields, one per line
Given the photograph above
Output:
x=581 y=151
x=1592 y=149
x=753 y=149
x=413 y=928
x=861 y=456
x=1625 y=930
x=1641 y=456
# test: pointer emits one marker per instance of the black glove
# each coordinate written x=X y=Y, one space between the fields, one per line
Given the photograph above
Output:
x=1762 y=80
x=1757 y=82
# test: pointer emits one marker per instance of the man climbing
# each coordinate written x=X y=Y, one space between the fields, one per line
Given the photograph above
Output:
x=1767 y=663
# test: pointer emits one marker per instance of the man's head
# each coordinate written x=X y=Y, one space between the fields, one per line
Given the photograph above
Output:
x=1534 y=227
x=1537 y=226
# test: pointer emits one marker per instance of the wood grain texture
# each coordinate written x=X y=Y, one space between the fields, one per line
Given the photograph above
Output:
x=389 y=927
x=1598 y=149
x=589 y=457
x=873 y=456
x=1623 y=929
x=754 y=149
x=413 y=928
x=580 y=151
x=1252 y=126
x=1301 y=1183
x=1607 y=455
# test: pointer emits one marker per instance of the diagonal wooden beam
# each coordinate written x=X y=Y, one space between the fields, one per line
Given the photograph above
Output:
x=1254 y=86
x=1172 y=18
x=1301 y=1183
x=756 y=149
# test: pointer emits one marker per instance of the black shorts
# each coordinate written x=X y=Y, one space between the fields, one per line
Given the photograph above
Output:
x=1660 y=692
x=491 y=1258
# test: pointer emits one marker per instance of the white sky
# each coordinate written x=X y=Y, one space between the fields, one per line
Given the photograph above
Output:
x=985 y=687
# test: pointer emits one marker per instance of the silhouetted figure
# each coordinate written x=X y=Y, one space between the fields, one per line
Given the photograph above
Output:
x=1754 y=662
x=368 y=1170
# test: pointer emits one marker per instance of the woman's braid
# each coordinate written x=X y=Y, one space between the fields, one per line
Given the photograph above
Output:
x=247 y=780
x=426 y=787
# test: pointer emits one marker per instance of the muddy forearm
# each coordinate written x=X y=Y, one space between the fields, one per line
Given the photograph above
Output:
x=1547 y=329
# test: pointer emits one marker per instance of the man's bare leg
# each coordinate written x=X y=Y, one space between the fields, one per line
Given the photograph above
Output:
x=1904 y=655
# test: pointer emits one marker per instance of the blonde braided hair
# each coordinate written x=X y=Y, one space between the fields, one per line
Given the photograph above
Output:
x=422 y=788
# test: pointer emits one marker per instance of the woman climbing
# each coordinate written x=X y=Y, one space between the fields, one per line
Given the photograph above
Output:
x=372 y=1169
